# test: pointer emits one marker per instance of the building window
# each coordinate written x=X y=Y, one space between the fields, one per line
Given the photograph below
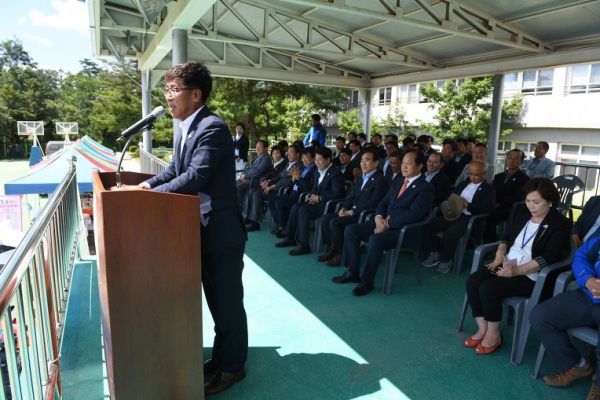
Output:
x=354 y=100
x=583 y=79
x=529 y=82
x=385 y=96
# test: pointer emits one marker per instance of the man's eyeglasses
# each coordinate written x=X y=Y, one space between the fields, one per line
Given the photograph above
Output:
x=175 y=89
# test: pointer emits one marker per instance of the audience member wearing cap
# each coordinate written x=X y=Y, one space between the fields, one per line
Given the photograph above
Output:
x=538 y=236
x=316 y=131
x=474 y=196
x=408 y=201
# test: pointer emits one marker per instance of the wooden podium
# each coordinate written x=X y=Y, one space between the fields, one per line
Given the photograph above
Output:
x=149 y=278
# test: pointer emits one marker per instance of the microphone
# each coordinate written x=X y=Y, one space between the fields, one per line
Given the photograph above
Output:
x=143 y=123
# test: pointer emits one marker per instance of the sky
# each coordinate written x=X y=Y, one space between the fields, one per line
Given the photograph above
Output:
x=55 y=33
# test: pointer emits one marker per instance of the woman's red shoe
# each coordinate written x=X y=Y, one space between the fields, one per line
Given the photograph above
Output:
x=481 y=350
x=470 y=342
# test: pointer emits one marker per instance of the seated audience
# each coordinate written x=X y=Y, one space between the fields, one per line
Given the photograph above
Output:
x=384 y=163
x=301 y=181
x=259 y=167
x=540 y=165
x=408 y=201
x=407 y=143
x=575 y=308
x=270 y=187
x=328 y=185
x=368 y=192
x=378 y=142
x=439 y=181
x=356 y=149
x=537 y=237
x=394 y=170
x=362 y=139
x=509 y=190
x=472 y=197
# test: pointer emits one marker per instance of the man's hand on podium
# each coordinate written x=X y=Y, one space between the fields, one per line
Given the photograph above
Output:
x=141 y=186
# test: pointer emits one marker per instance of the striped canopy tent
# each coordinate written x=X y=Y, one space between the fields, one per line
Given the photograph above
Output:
x=45 y=176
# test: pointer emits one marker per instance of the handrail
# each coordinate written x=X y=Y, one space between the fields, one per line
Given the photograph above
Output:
x=34 y=288
x=150 y=164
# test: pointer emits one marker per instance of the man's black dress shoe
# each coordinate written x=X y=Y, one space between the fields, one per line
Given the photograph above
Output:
x=327 y=256
x=299 y=250
x=347 y=277
x=280 y=234
x=252 y=226
x=211 y=367
x=286 y=243
x=223 y=381
x=364 y=287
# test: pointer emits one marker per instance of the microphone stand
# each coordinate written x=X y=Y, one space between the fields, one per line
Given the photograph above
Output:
x=118 y=176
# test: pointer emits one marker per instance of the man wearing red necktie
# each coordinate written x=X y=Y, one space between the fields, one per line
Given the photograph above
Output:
x=408 y=201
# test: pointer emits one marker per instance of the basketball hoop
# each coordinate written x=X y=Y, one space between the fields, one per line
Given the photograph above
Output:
x=30 y=132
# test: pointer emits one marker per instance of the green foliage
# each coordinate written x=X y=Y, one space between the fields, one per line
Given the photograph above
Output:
x=393 y=122
x=463 y=109
x=349 y=121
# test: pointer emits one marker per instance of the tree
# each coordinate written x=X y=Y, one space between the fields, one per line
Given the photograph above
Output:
x=393 y=122
x=349 y=121
x=463 y=109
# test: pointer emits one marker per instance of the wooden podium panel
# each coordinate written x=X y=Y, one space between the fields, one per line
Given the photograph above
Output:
x=149 y=278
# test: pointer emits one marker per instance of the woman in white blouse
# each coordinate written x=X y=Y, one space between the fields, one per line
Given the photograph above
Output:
x=537 y=236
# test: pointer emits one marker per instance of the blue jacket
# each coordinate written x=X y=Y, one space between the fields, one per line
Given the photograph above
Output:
x=316 y=132
x=586 y=264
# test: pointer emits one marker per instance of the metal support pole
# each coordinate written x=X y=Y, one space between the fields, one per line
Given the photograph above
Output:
x=146 y=107
x=368 y=114
x=180 y=56
x=496 y=119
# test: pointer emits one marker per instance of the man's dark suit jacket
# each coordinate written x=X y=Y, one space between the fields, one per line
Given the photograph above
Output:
x=242 y=144
x=276 y=171
x=304 y=184
x=482 y=203
x=259 y=167
x=510 y=192
x=551 y=240
x=411 y=207
x=427 y=154
x=389 y=175
x=284 y=179
x=442 y=186
x=332 y=186
x=451 y=169
x=588 y=217
x=207 y=168
x=348 y=174
x=465 y=160
x=369 y=196
x=355 y=162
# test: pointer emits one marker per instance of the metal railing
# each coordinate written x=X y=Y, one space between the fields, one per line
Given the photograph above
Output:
x=150 y=164
x=34 y=290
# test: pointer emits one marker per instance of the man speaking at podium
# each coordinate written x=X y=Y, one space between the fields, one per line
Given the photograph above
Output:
x=203 y=164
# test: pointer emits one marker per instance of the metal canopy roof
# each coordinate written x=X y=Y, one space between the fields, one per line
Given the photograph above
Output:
x=355 y=43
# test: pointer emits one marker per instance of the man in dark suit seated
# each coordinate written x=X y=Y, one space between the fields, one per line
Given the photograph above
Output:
x=477 y=197
x=426 y=141
x=340 y=143
x=384 y=163
x=368 y=192
x=258 y=196
x=462 y=157
x=345 y=167
x=439 y=181
x=301 y=181
x=356 y=149
x=378 y=142
x=450 y=168
x=328 y=185
x=509 y=190
x=394 y=170
x=408 y=201
x=259 y=167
